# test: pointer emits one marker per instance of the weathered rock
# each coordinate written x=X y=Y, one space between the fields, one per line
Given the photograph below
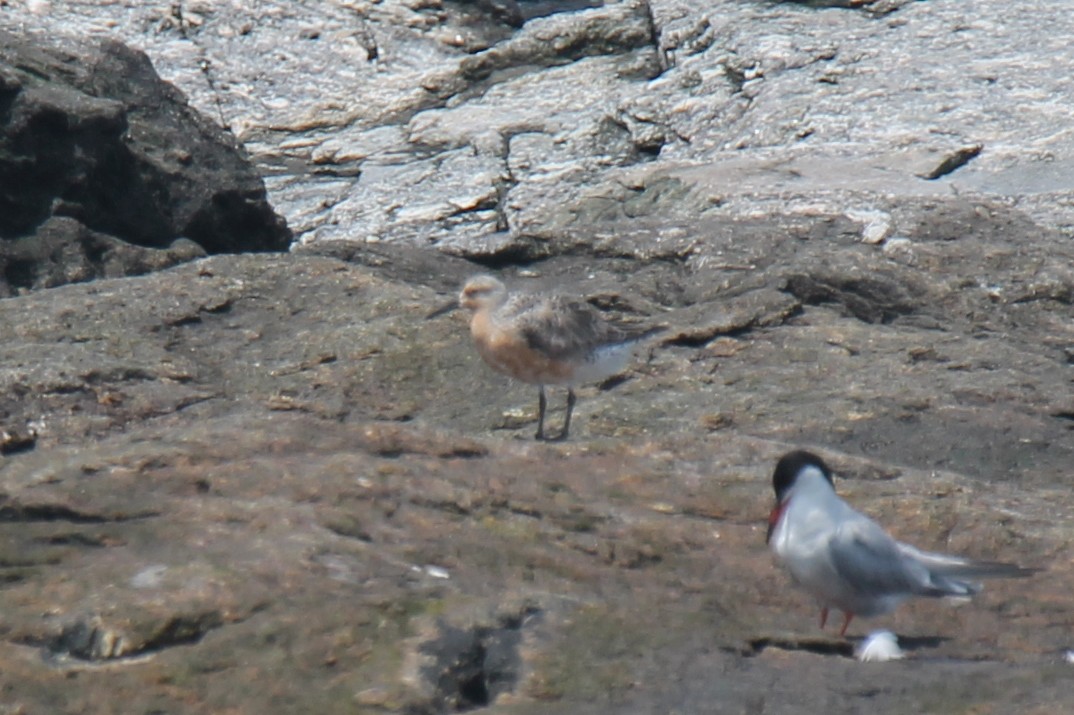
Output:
x=93 y=136
x=62 y=250
x=262 y=469
x=785 y=107
x=268 y=484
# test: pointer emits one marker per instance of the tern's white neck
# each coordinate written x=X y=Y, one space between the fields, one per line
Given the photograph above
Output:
x=807 y=514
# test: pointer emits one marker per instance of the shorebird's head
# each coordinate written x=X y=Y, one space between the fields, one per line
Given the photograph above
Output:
x=482 y=292
x=792 y=469
x=794 y=466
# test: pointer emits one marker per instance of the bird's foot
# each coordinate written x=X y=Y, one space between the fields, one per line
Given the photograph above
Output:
x=542 y=437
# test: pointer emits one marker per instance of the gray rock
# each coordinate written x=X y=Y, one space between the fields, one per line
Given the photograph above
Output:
x=62 y=250
x=264 y=468
x=438 y=123
x=92 y=135
x=267 y=483
x=759 y=105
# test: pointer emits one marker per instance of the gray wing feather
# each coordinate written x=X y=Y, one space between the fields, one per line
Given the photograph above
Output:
x=563 y=329
x=870 y=561
x=958 y=567
x=873 y=563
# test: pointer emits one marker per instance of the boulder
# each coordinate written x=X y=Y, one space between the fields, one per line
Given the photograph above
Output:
x=90 y=134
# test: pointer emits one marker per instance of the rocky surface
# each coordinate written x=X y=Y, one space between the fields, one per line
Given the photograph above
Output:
x=266 y=483
x=444 y=122
x=305 y=483
x=106 y=171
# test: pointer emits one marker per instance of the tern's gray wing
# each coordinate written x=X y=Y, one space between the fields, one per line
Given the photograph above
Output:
x=871 y=562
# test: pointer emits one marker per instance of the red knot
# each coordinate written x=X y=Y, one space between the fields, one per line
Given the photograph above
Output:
x=543 y=339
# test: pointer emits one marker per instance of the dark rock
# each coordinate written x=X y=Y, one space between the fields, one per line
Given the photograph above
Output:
x=94 y=136
x=94 y=639
x=508 y=12
x=623 y=29
x=541 y=8
x=470 y=667
x=17 y=440
x=869 y=296
x=62 y=250
x=398 y=261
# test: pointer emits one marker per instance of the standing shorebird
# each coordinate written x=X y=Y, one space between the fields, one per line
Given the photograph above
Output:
x=544 y=340
x=846 y=560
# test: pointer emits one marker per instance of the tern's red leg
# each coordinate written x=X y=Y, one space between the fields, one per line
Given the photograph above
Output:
x=823 y=617
x=847 y=618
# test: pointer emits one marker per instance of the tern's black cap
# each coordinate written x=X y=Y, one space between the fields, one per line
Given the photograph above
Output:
x=790 y=465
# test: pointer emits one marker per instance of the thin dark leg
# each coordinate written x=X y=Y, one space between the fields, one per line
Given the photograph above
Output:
x=567 y=420
x=823 y=617
x=541 y=404
x=847 y=618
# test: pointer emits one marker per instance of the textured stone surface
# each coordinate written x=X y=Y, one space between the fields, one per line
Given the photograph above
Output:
x=103 y=167
x=62 y=250
x=267 y=483
x=443 y=122
x=273 y=469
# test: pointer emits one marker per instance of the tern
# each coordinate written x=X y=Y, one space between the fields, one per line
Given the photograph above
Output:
x=846 y=560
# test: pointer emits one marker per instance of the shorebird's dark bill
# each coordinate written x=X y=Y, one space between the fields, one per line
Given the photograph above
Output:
x=445 y=308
